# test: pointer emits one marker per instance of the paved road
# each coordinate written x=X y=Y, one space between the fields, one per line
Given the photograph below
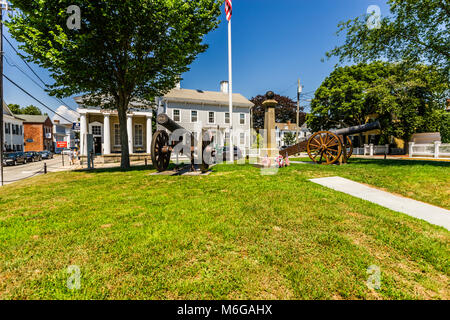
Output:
x=24 y=171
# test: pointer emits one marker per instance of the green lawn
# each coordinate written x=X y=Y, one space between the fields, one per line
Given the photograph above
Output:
x=234 y=234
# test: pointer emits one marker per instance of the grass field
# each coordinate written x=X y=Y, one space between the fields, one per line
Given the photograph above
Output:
x=234 y=234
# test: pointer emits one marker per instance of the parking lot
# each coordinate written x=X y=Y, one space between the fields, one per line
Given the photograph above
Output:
x=19 y=172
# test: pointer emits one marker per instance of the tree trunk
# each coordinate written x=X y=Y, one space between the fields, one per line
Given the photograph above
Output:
x=406 y=145
x=122 y=113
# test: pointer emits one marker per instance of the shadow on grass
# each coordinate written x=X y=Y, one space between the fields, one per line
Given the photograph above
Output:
x=390 y=162
x=118 y=169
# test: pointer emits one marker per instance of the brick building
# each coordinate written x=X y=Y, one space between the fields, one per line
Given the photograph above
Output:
x=38 y=132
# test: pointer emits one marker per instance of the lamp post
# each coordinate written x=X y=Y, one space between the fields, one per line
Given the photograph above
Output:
x=299 y=91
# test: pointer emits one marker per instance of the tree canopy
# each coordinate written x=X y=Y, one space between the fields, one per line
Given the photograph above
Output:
x=417 y=31
x=31 y=110
x=404 y=99
x=284 y=112
x=123 y=50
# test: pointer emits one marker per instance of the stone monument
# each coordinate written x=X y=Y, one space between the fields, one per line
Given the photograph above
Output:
x=270 y=143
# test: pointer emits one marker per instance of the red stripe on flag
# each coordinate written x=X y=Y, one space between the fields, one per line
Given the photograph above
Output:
x=228 y=9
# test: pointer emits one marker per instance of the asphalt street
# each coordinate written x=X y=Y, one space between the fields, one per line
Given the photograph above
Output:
x=19 y=172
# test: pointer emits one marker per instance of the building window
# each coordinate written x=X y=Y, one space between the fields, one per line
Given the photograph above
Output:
x=227 y=117
x=242 y=138
x=116 y=135
x=193 y=116
x=227 y=138
x=97 y=130
x=176 y=115
x=211 y=117
x=242 y=118
x=138 y=135
x=7 y=128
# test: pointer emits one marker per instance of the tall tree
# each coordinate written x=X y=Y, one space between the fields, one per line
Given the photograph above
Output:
x=415 y=31
x=405 y=100
x=342 y=99
x=33 y=110
x=15 y=108
x=124 y=50
x=284 y=112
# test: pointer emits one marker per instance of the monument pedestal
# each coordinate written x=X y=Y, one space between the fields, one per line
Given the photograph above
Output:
x=270 y=151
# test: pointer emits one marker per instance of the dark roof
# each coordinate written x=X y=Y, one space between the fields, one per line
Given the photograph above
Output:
x=32 y=118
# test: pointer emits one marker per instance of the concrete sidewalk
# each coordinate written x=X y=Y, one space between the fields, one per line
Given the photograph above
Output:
x=432 y=214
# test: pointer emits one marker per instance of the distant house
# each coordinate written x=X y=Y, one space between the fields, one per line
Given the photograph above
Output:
x=63 y=132
x=197 y=110
x=12 y=131
x=282 y=129
x=38 y=132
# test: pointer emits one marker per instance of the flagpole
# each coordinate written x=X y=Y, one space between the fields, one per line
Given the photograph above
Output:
x=230 y=91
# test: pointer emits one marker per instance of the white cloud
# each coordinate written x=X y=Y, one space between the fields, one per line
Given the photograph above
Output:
x=67 y=114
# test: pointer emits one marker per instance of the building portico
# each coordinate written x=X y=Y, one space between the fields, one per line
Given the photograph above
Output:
x=104 y=126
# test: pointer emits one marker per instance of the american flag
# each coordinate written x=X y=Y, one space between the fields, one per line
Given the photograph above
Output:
x=228 y=9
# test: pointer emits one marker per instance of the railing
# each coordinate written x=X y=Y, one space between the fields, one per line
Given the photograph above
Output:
x=371 y=149
x=435 y=150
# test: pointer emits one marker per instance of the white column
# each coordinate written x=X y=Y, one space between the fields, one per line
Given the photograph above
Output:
x=149 y=133
x=411 y=145
x=106 y=135
x=436 y=149
x=371 y=149
x=83 y=132
x=130 y=132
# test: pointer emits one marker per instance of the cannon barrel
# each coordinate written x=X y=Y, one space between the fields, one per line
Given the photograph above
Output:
x=358 y=129
x=164 y=120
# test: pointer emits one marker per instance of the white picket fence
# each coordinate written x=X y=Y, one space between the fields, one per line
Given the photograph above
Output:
x=435 y=150
x=371 y=149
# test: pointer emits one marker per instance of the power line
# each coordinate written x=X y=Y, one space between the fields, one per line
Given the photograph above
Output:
x=34 y=81
x=29 y=94
x=21 y=57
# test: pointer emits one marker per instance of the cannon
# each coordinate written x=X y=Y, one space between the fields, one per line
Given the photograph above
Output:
x=163 y=145
x=329 y=147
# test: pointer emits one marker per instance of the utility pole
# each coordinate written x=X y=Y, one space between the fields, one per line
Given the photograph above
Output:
x=1 y=88
x=299 y=91
x=4 y=6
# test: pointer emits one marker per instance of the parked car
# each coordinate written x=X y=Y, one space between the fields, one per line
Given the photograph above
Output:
x=224 y=154
x=13 y=158
x=32 y=156
x=46 y=154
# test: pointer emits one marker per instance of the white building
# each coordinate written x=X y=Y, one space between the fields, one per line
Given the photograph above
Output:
x=63 y=122
x=63 y=132
x=192 y=109
x=198 y=110
x=12 y=131
x=284 y=128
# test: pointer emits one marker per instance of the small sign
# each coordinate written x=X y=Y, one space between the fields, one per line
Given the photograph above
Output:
x=76 y=126
x=61 y=144
x=30 y=140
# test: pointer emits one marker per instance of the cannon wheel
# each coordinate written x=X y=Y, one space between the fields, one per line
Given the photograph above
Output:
x=324 y=147
x=160 y=159
x=349 y=145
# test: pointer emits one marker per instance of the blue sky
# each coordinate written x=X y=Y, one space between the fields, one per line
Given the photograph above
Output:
x=274 y=43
